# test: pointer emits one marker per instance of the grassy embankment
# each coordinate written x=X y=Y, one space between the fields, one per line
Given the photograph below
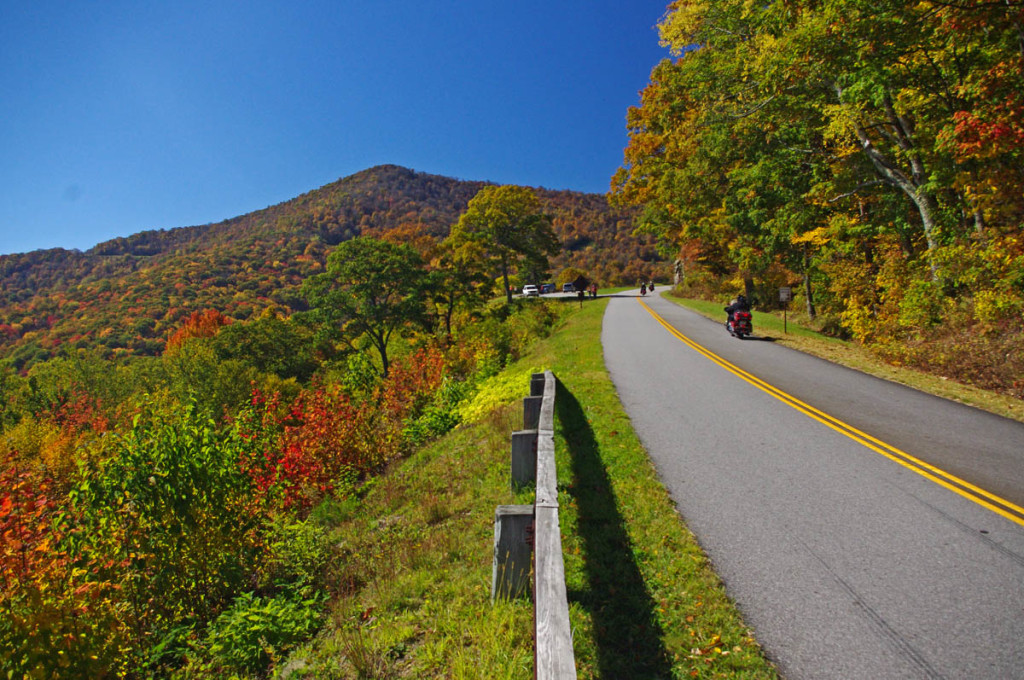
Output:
x=854 y=356
x=415 y=601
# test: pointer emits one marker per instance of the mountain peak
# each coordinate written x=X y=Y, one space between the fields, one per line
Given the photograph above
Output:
x=126 y=295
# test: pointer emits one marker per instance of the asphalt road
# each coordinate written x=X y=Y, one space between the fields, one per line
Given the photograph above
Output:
x=865 y=529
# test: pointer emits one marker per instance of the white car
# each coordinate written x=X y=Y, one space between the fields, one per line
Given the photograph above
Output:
x=531 y=290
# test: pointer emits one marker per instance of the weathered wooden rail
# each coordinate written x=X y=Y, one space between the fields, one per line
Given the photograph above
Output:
x=527 y=536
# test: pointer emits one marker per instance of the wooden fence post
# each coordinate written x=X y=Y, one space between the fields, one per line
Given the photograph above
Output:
x=524 y=458
x=537 y=383
x=531 y=412
x=513 y=551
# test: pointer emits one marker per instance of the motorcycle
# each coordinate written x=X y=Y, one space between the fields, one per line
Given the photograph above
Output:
x=740 y=325
x=643 y=289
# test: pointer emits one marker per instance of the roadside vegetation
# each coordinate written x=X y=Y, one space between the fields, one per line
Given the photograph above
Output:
x=329 y=528
x=312 y=495
x=864 y=154
x=417 y=547
x=179 y=518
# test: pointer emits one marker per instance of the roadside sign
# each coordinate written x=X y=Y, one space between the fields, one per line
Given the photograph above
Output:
x=785 y=296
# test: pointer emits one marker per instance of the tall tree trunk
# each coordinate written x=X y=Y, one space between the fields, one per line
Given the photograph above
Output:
x=912 y=184
x=380 y=341
x=808 y=292
x=504 y=278
x=922 y=199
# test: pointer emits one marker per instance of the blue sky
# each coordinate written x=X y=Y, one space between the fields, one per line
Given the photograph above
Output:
x=117 y=117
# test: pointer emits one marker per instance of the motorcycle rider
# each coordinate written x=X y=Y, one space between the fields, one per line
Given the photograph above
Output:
x=740 y=304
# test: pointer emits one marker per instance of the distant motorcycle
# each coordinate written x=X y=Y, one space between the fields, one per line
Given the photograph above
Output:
x=643 y=289
x=740 y=325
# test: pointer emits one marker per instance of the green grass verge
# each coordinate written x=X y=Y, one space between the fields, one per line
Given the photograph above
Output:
x=412 y=593
x=644 y=600
x=787 y=332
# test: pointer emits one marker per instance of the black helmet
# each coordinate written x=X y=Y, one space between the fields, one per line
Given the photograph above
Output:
x=740 y=298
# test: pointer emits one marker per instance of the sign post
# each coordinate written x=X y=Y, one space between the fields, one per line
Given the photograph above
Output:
x=785 y=295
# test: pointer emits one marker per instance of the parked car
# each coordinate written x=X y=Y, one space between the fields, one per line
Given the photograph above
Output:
x=568 y=288
x=547 y=288
x=530 y=290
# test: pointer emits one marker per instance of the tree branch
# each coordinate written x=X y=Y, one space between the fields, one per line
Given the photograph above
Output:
x=864 y=185
x=747 y=114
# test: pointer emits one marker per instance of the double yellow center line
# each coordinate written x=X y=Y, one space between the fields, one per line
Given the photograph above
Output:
x=1001 y=506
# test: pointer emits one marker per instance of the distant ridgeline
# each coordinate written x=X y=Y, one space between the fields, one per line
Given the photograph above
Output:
x=126 y=296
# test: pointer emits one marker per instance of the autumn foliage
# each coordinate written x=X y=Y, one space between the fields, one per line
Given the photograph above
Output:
x=140 y=525
x=204 y=324
x=867 y=155
x=127 y=297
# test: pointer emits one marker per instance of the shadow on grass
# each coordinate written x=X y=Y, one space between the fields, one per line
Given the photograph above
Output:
x=628 y=636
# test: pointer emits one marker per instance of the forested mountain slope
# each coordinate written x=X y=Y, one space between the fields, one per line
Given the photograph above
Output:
x=127 y=295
